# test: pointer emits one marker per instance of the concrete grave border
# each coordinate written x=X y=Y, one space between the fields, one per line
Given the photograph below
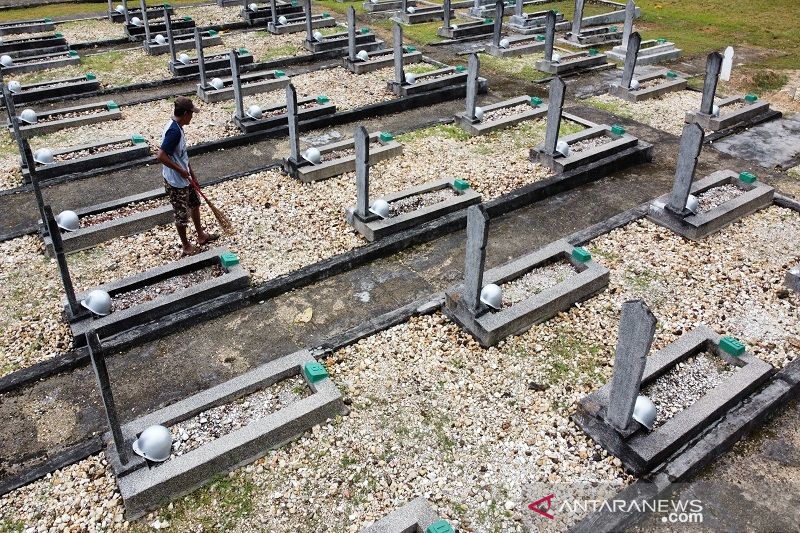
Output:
x=181 y=42
x=414 y=517
x=27 y=26
x=668 y=86
x=179 y=27
x=582 y=61
x=257 y=82
x=153 y=10
x=23 y=64
x=486 y=126
x=650 y=52
x=44 y=90
x=593 y=37
x=297 y=24
x=640 y=452
x=617 y=143
x=492 y=327
x=427 y=13
x=381 y=6
x=696 y=227
x=43 y=127
x=33 y=46
x=707 y=122
x=380 y=59
x=249 y=125
x=262 y=15
x=421 y=85
x=534 y=45
x=532 y=23
x=466 y=30
x=339 y=41
x=217 y=62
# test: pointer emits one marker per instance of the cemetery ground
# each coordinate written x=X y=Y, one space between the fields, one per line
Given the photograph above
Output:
x=429 y=412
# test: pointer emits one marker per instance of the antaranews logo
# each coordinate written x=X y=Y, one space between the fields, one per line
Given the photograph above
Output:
x=535 y=506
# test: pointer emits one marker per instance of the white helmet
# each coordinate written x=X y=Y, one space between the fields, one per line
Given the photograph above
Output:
x=98 y=302
x=411 y=10
x=120 y=9
x=184 y=58
x=14 y=86
x=154 y=444
x=253 y=7
x=410 y=78
x=562 y=148
x=380 y=207
x=313 y=155
x=282 y=20
x=254 y=112
x=136 y=21
x=556 y=57
x=492 y=296
x=160 y=39
x=715 y=110
x=362 y=55
x=29 y=116
x=504 y=43
x=644 y=412
x=692 y=203
x=217 y=83
x=6 y=60
x=318 y=36
x=43 y=156
x=68 y=220
x=634 y=84
x=478 y=113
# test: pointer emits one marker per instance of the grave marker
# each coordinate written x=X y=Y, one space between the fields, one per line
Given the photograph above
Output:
x=636 y=329
x=727 y=64
x=309 y=26
x=473 y=66
x=518 y=5
x=61 y=259
x=125 y=12
x=713 y=65
x=691 y=144
x=170 y=40
x=630 y=14
x=98 y=359
x=577 y=18
x=549 y=35
x=351 y=34
x=477 y=239
x=273 y=12
x=24 y=151
x=397 y=37
x=498 y=23
x=554 y=107
x=446 y=20
x=291 y=115
x=631 y=55
x=145 y=22
x=362 y=171
x=201 y=59
x=237 y=85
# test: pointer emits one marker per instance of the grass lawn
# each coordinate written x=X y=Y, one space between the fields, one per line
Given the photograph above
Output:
x=81 y=9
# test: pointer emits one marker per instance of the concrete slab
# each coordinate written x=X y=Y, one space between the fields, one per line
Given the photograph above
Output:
x=297 y=24
x=531 y=23
x=307 y=172
x=422 y=14
x=486 y=126
x=59 y=88
x=666 y=86
x=696 y=227
x=218 y=62
x=435 y=79
x=614 y=144
x=252 y=83
x=517 y=46
x=182 y=42
x=728 y=119
x=379 y=6
x=273 y=119
x=415 y=516
x=27 y=26
x=774 y=144
x=651 y=52
x=100 y=112
x=180 y=26
x=41 y=62
x=466 y=30
x=571 y=63
x=154 y=12
x=379 y=60
x=338 y=41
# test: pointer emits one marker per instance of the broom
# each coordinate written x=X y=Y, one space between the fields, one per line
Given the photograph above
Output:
x=222 y=218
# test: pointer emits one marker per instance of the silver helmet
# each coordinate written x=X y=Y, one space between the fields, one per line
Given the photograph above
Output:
x=380 y=207
x=644 y=412
x=98 y=302
x=254 y=112
x=184 y=58
x=160 y=39
x=29 y=116
x=411 y=10
x=362 y=55
x=217 y=83
x=282 y=20
x=492 y=296
x=43 y=156
x=478 y=114
x=411 y=78
x=318 y=35
x=136 y=21
x=504 y=43
x=313 y=155
x=634 y=84
x=562 y=147
x=555 y=58
x=253 y=7
x=692 y=203
x=6 y=60
x=154 y=444
x=120 y=9
x=14 y=86
x=715 y=110
x=68 y=220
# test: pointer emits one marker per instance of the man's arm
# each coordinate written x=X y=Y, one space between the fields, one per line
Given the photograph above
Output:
x=167 y=161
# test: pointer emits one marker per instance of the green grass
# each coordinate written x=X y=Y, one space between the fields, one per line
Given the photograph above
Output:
x=612 y=107
x=523 y=67
x=288 y=50
x=8 y=527
x=339 y=7
x=78 y=9
x=117 y=61
x=445 y=131
x=768 y=81
x=420 y=68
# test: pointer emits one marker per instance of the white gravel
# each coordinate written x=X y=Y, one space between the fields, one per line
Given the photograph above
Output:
x=537 y=280
x=164 y=287
x=419 y=201
x=506 y=112
x=666 y=113
x=717 y=196
x=125 y=211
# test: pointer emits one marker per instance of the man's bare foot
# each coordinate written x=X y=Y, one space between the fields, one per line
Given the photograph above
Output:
x=205 y=238
x=189 y=250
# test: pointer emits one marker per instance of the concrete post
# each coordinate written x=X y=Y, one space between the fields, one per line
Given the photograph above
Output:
x=630 y=14
x=713 y=66
x=351 y=33
x=201 y=58
x=473 y=67
x=727 y=64
x=636 y=329
x=291 y=115
x=237 y=85
x=362 y=171
x=477 y=238
x=446 y=21
x=554 y=107
x=273 y=12
x=549 y=35
x=518 y=8
x=498 y=23
x=98 y=359
x=309 y=29
x=146 y=23
x=125 y=11
x=403 y=6
x=27 y=162
x=61 y=259
x=631 y=55
x=110 y=10
x=397 y=37
x=691 y=144
x=170 y=41
x=577 y=19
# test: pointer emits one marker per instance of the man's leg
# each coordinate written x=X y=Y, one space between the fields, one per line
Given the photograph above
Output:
x=178 y=199
x=202 y=236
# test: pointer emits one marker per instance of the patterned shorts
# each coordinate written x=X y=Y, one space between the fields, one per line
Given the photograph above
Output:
x=183 y=200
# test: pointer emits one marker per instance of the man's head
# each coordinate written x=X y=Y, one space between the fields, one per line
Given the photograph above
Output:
x=184 y=110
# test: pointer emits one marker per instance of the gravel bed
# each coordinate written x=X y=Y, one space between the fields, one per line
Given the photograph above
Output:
x=666 y=113
x=125 y=211
x=686 y=383
x=588 y=144
x=734 y=107
x=537 y=280
x=655 y=82
x=219 y=421
x=211 y=15
x=164 y=287
x=28 y=61
x=73 y=114
x=717 y=196
x=419 y=201
x=84 y=31
x=506 y=112
x=345 y=89
x=71 y=156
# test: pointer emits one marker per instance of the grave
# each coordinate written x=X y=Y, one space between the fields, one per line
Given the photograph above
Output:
x=492 y=116
x=648 y=86
x=278 y=8
x=604 y=35
x=416 y=516
x=133 y=305
x=462 y=31
x=489 y=326
x=216 y=63
x=41 y=62
x=239 y=84
x=596 y=142
x=606 y=415
x=145 y=485
x=27 y=26
x=732 y=111
x=793 y=278
x=651 y=51
x=531 y=23
x=566 y=61
x=407 y=208
x=34 y=46
x=364 y=39
x=179 y=27
x=120 y=16
x=61 y=88
x=296 y=22
x=52 y=120
x=418 y=13
x=382 y=58
x=379 y=6
x=404 y=85
x=172 y=42
x=512 y=46
x=486 y=8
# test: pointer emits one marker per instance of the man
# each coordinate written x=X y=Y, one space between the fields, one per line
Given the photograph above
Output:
x=178 y=174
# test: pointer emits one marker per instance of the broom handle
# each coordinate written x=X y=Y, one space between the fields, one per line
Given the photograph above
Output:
x=196 y=187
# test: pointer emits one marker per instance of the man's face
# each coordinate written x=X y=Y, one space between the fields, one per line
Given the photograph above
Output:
x=188 y=116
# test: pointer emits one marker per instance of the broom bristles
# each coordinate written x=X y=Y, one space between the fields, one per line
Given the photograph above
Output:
x=223 y=220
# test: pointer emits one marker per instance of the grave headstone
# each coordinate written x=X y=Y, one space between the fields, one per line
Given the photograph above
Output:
x=446 y=20
x=170 y=39
x=477 y=239
x=636 y=329
x=404 y=6
x=362 y=171
x=473 y=66
x=549 y=35
x=143 y=6
x=351 y=33
x=237 y=85
x=98 y=359
x=627 y=29
x=125 y=12
x=61 y=260
x=554 y=107
x=273 y=9
x=727 y=64
x=691 y=144
x=24 y=151
x=201 y=58
x=309 y=25
x=631 y=55
x=498 y=23
x=713 y=66
x=577 y=19
x=291 y=115
x=518 y=5
x=397 y=44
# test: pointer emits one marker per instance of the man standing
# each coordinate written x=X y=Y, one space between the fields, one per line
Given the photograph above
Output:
x=178 y=175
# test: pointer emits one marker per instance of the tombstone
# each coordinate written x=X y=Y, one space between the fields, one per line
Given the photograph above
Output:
x=577 y=18
x=630 y=14
x=273 y=12
x=237 y=85
x=403 y=6
x=145 y=22
x=713 y=66
x=309 y=28
x=446 y=20
x=98 y=360
x=473 y=66
x=170 y=40
x=24 y=151
x=291 y=115
x=477 y=238
x=397 y=36
x=125 y=11
x=691 y=144
x=727 y=64
x=518 y=8
x=554 y=107
x=631 y=55
x=498 y=23
x=351 y=34
x=201 y=58
x=636 y=329
x=362 y=171
x=61 y=260
x=549 y=35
